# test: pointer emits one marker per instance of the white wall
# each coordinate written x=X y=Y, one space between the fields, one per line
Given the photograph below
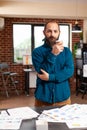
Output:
x=85 y=31
x=32 y=79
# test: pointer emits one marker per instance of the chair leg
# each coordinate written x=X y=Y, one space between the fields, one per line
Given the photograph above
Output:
x=5 y=80
x=77 y=91
x=83 y=95
x=85 y=90
x=14 y=84
x=4 y=84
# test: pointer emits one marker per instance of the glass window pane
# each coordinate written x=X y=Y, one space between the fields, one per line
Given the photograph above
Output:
x=38 y=35
x=64 y=35
x=22 y=35
x=21 y=41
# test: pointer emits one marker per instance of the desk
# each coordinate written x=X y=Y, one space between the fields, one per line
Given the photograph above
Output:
x=27 y=80
x=30 y=124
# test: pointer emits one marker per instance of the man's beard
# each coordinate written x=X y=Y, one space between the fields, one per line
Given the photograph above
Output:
x=51 y=40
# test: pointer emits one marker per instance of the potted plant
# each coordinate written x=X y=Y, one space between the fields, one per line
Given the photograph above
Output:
x=81 y=37
x=19 y=59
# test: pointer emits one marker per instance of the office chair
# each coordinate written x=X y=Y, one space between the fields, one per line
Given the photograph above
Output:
x=8 y=78
x=81 y=81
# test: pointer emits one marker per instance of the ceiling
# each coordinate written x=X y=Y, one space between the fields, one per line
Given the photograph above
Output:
x=47 y=0
x=44 y=8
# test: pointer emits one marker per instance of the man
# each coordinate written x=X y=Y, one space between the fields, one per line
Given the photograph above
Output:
x=54 y=66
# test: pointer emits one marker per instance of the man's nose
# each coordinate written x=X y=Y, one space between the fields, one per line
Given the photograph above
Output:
x=52 y=33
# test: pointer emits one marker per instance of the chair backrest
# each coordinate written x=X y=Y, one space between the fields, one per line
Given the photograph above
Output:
x=4 y=66
x=79 y=64
x=79 y=67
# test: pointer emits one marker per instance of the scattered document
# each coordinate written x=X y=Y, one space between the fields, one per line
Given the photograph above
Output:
x=75 y=115
x=47 y=118
x=11 y=119
x=23 y=112
x=85 y=70
x=10 y=123
x=3 y=113
x=77 y=123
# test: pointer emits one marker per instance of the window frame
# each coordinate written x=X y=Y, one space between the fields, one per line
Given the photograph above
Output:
x=32 y=35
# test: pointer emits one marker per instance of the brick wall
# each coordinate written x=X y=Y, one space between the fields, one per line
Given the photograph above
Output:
x=6 y=44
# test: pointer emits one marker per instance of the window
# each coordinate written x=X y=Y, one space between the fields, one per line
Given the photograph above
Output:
x=21 y=41
x=38 y=35
x=65 y=34
x=26 y=37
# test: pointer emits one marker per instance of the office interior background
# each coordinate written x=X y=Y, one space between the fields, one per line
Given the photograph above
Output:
x=38 y=12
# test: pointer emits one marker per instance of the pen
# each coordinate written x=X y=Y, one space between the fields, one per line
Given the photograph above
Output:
x=8 y=112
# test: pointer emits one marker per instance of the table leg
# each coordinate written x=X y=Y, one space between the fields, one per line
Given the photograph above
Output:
x=27 y=83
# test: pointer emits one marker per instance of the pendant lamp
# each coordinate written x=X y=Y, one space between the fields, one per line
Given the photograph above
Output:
x=76 y=28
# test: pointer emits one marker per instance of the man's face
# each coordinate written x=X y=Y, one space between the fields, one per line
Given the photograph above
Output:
x=52 y=33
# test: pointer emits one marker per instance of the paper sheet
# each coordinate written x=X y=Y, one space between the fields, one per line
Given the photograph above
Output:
x=85 y=70
x=11 y=119
x=75 y=115
x=8 y=122
x=23 y=112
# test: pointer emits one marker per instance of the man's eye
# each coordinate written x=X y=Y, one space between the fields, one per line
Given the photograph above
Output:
x=55 y=31
x=49 y=31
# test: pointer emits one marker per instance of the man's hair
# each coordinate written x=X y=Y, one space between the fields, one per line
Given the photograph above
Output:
x=52 y=21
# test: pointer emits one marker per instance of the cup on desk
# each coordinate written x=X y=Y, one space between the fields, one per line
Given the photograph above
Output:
x=41 y=125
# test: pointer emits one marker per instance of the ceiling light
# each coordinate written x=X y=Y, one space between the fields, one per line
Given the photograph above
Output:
x=76 y=28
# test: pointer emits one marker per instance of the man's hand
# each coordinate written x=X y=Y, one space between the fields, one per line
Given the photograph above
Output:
x=57 y=48
x=44 y=75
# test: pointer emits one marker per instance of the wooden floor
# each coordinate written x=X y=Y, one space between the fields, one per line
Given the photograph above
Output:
x=23 y=100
